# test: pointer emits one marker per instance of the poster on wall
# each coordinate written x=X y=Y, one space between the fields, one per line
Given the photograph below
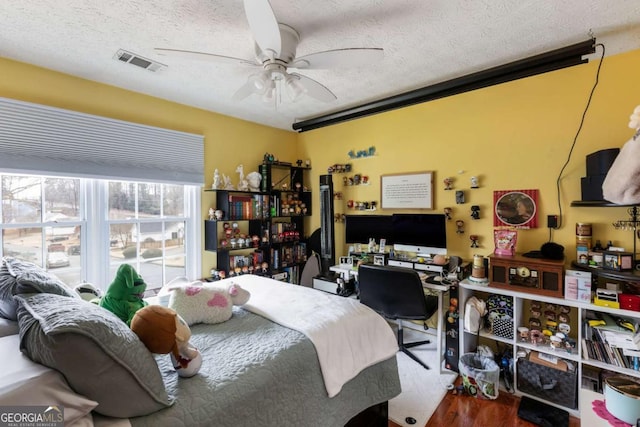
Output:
x=515 y=208
x=407 y=191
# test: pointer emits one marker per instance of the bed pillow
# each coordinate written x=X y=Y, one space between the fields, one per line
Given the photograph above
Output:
x=23 y=277
x=97 y=353
x=24 y=382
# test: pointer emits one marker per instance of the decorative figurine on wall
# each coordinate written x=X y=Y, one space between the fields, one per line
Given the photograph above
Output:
x=474 y=240
x=474 y=182
x=475 y=212
x=299 y=162
x=460 y=226
x=459 y=197
x=216 y=180
x=448 y=183
x=254 y=179
x=448 y=212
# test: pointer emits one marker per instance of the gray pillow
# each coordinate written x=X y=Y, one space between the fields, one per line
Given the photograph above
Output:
x=98 y=354
x=23 y=277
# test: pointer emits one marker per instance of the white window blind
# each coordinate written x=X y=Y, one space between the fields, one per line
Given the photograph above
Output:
x=36 y=139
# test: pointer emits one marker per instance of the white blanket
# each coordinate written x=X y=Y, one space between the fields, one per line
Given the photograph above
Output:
x=348 y=336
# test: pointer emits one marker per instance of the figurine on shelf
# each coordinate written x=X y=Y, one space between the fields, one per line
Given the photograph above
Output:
x=218 y=214
x=227 y=182
x=474 y=240
x=475 y=212
x=243 y=185
x=211 y=214
x=254 y=179
x=474 y=182
x=460 y=226
x=307 y=163
x=216 y=180
x=448 y=183
x=299 y=163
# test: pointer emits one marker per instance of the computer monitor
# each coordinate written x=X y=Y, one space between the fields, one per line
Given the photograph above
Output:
x=361 y=228
x=424 y=234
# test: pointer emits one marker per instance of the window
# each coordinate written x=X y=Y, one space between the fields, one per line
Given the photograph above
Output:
x=146 y=229
x=84 y=229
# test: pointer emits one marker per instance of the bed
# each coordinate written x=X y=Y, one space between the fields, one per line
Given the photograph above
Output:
x=258 y=368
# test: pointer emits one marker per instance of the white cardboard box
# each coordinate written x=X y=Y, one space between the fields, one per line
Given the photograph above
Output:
x=577 y=285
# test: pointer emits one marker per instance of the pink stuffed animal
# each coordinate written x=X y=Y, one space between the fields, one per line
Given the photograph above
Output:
x=198 y=302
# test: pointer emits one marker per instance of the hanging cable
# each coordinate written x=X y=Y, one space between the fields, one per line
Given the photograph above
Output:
x=575 y=138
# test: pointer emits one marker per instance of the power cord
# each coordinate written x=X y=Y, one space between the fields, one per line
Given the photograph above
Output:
x=575 y=138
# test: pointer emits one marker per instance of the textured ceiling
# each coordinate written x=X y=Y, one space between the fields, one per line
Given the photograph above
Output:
x=424 y=42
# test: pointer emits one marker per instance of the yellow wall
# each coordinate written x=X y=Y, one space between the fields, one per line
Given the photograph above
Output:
x=512 y=136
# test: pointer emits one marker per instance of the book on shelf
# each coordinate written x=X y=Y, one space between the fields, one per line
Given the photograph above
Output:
x=247 y=206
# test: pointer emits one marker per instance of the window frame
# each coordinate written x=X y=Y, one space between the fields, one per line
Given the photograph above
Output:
x=95 y=260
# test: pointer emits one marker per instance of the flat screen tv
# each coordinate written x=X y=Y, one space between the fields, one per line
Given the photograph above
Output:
x=360 y=228
x=424 y=234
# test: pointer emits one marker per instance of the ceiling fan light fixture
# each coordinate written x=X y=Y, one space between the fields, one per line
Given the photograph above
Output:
x=293 y=87
x=269 y=91
x=260 y=82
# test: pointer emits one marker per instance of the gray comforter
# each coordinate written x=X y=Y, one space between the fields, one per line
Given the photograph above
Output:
x=258 y=373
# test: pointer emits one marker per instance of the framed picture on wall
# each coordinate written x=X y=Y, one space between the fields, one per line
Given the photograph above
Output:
x=407 y=191
x=515 y=208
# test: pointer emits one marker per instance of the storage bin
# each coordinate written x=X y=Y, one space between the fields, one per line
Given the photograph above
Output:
x=547 y=383
x=629 y=302
x=502 y=327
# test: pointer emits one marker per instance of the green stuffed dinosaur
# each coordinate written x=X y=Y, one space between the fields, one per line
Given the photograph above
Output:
x=124 y=296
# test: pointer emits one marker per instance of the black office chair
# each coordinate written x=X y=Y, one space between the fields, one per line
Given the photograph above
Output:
x=396 y=293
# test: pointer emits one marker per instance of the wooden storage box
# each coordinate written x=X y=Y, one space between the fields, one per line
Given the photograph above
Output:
x=531 y=275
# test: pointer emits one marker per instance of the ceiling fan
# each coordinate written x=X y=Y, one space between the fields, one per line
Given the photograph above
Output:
x=275 y=53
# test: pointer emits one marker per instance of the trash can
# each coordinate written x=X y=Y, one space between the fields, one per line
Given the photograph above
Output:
x=480 y=375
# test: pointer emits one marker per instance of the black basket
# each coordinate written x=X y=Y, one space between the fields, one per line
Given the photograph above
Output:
x=550 y=384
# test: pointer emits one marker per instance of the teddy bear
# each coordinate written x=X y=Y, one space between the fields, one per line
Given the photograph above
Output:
x=197 y=302
x=124 y=295
x=163 y=331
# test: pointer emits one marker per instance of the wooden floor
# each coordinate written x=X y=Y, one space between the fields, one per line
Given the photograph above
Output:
x=467 y=411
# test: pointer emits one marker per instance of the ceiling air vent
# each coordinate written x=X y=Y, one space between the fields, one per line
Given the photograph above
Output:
x=137 y=60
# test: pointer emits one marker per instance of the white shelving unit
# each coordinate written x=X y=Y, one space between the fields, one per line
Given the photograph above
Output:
x=469 y=339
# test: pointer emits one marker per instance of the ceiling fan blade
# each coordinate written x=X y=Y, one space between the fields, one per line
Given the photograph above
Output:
x=315 y=89
x=264 y=25
x=351 y=57
x=201 y=56
x=245 y=90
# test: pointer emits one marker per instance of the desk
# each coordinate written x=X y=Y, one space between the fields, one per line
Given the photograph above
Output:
x=347 y=271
